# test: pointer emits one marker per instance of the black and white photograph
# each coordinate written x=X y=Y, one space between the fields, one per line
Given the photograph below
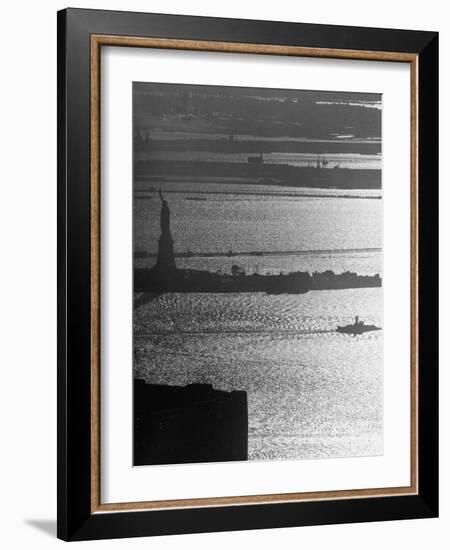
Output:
x=230 y=217
x=257 y=242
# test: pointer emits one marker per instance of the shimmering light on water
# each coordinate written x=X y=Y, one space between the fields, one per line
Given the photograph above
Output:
x=276 y=222
x=312 y=392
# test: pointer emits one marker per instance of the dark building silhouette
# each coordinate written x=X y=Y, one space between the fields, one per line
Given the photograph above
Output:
x=195 y=423
x=165 y=263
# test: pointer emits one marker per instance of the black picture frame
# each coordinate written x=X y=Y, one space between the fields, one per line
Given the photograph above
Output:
x=76 y=519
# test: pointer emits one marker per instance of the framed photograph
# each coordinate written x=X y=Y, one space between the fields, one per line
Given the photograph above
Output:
x=247 y=261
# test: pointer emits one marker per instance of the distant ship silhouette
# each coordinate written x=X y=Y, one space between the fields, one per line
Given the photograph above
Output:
x=358 y=327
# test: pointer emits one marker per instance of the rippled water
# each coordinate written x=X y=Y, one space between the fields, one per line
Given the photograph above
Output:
x=234 y=218
x=312 y=392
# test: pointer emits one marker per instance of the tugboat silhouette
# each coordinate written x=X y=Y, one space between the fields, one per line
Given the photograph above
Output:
x=358 y=327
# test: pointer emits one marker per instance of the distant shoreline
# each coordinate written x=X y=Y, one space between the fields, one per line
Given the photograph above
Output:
x=140 y=194
x=263 y=173
x=140 y=254
x=299 y=282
